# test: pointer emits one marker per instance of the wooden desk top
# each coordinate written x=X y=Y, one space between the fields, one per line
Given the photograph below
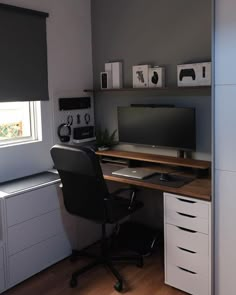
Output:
x=200 y=188
x=174 y=161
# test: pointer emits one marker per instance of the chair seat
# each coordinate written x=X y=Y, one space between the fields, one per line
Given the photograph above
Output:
x=118 y=209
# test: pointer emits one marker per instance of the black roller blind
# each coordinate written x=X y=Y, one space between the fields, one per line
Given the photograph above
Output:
x=23 y=55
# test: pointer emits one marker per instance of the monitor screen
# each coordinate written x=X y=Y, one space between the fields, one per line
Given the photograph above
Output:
x=170 y=127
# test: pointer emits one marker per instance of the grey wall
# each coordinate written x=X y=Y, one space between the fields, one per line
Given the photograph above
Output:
x=160 y=32
x=106 y=116
x=69 y=72
x=157 y=32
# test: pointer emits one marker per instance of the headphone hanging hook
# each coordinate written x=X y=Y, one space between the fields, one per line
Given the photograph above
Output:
x=69 y=120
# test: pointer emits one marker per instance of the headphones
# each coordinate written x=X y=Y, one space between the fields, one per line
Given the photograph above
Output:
x=64 y=130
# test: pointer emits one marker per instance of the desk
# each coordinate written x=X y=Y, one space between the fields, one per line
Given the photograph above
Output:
x=187 y=221
x=200 y=188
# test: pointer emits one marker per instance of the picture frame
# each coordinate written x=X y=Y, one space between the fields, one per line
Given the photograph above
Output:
x=140 y=76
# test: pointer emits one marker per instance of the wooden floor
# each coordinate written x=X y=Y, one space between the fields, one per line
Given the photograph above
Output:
x=148 y=280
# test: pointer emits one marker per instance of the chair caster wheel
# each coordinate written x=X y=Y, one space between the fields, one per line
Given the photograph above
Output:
x=118 y=286
x=73 y=258
x=140 y=263
x=73 y=283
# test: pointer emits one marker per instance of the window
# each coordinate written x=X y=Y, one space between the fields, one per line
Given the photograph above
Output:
x=19 y=122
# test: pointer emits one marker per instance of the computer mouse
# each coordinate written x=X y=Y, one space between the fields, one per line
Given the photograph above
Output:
x=165 y=177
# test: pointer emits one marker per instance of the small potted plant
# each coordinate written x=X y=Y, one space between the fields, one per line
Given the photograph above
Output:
x=104 y=139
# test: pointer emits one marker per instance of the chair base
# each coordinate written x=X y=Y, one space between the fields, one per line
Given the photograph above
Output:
x=108 y=263
x=105 y=259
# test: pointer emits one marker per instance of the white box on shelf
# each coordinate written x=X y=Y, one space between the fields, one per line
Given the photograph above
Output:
x=108 y=67
x=140 y=76
x=198 y=74
x=117 y=78
x=156 y=77
x=105 y=80
x=115 y=70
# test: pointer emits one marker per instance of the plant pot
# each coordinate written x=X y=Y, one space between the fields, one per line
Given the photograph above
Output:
x=103 y=148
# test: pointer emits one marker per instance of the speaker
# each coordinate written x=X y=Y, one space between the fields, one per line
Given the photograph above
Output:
x=105 y=80
x=81 y=133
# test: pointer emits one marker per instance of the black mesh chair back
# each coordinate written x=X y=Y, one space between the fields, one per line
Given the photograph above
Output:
x=86 y=195
x=84 y=187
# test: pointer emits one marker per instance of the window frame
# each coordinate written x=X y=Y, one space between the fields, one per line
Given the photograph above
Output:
x=35 y=127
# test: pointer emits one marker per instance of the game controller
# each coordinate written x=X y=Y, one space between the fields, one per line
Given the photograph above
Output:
x=187 y=73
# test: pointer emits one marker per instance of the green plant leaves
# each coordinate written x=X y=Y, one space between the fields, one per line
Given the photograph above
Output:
x=103 y=138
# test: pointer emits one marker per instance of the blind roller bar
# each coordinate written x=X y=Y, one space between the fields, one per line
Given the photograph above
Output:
x=24 y=10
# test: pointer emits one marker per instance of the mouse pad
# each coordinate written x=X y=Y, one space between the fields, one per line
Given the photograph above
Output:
x=174 y=180
x=27 y=182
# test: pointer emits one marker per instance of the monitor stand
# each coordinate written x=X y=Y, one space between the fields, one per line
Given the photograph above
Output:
x=184 y=154
x=180 y=154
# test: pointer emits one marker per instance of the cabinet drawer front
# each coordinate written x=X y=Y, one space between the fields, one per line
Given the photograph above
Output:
x=186 y=205
x=183 y=279
x=34 y=259
x=187 y=221
x=2 y=279
x=33 y=231
x=192 y=241
x=1 y=258
x=31 y=204
x=187 y=259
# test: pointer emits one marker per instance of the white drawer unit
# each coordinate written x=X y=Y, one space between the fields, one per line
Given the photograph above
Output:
x=186 y=205
x=182 y=219
x=188 y=242
x=36 y=258
x=33 y=231
x=2 y=270
x=2 y=279
x=1 y=257
x=187 y=224
x=36 y=233
x=186 y=280
x=31 y=204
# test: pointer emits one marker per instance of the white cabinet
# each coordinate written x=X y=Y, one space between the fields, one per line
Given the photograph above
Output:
x=2 y=269
x=35 y=231
x=225 y=124
x=225 y=42
x=225 y=146
x=31 y=260
x=187 y=224
x=225 y=237
x=31 y=204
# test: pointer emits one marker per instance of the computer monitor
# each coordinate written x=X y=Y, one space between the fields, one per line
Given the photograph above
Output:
x=167 y=127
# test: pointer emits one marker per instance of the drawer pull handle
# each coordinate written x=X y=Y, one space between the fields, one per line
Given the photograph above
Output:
x=184 y=269
x=186 y=201
x=186 y=250
x=186 y=215
x=188 y=230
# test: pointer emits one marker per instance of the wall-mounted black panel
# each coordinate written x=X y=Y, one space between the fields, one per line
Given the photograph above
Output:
x=74 y=103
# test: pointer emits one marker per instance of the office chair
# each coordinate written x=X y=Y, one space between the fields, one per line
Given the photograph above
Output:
x=85 y=194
